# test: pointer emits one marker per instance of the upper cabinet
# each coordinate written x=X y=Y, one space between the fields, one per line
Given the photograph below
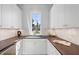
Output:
x=71 y=15
x=11 y=16
x=0 y=16
x=57 y=16
x=64 y=16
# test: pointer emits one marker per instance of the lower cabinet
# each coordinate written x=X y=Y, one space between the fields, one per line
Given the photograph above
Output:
x=10 y=51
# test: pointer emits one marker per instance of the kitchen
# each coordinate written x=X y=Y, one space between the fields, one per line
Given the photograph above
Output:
x=56 y=23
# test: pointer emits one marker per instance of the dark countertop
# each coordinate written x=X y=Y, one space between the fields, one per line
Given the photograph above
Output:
x=73 y=49
x=4 y=44
x=63 y=48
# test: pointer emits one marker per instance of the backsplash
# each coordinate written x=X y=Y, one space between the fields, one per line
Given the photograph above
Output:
x=7 y=33
x=69 y=34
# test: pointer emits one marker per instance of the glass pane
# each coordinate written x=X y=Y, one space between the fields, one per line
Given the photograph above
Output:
x=36 y=23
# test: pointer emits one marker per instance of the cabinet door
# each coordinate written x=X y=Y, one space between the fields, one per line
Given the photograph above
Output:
x=11 y=16
x=0 y=16
x=6 y=16
x=10 y=51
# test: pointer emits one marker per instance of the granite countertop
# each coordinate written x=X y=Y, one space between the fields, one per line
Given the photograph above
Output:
x=7 y=43
x=63 y=46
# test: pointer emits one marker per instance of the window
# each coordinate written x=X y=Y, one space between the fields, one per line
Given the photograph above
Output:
x=36 y=23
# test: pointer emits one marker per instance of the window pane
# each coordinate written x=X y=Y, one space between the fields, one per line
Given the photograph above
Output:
x=36 y=23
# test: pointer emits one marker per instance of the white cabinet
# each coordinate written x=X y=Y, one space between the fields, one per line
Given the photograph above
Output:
x=35 y=47
x=57 y=16
x=0 y=16
x=11 y=16
x=10 y=51
x=51 y=50
x=32 y=47
x=64 y=16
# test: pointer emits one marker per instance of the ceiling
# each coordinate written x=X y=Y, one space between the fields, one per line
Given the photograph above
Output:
x=34 y=6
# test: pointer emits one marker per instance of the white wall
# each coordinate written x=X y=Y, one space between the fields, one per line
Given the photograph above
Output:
x=45 y=22
x=27 y=20
x=11 y=16
x=64 y=15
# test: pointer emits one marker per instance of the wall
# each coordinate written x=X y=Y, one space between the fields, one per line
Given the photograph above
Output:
x=45 y=22
x=27 y=19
